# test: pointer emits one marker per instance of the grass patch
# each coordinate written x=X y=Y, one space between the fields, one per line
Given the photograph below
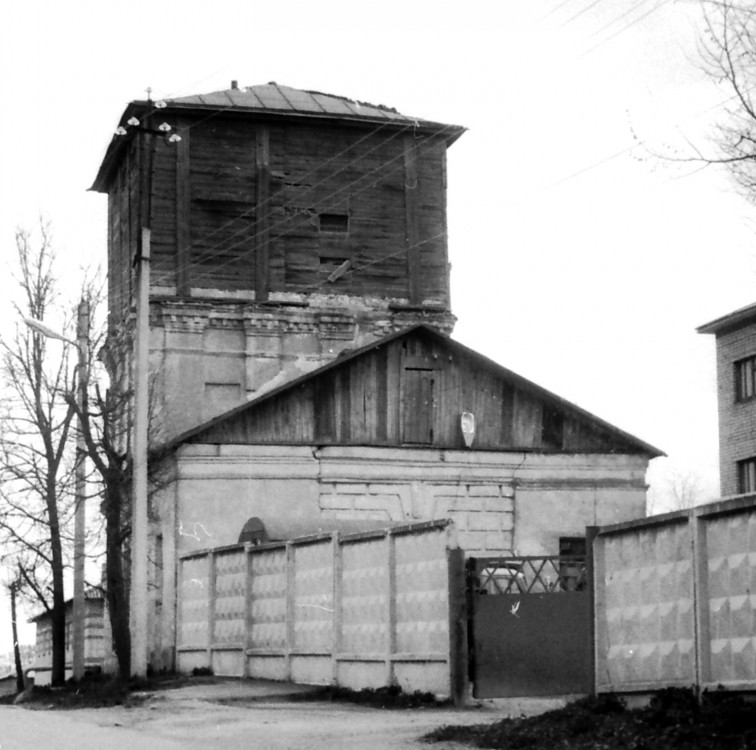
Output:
x=673 y=720
x=384 y=697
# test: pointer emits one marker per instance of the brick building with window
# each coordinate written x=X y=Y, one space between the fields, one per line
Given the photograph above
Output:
x=736 y=398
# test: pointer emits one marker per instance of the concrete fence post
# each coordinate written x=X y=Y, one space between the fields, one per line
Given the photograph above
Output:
x=390 y=606
x=247 y=607
x=212 y=575
x=702 y=631
x=458 y=616
x=336 y=634
x=290 y=606
x=591 y=532
x=597 y=582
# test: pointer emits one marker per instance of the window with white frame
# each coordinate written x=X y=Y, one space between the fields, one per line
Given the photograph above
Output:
x=747 y=476
x=745 y=379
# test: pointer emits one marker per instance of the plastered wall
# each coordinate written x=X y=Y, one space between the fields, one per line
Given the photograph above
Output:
x=500 y=503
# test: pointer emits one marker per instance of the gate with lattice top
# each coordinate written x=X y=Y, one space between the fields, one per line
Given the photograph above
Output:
x=530 y=626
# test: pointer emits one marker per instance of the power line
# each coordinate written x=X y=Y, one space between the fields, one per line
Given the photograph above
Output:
x=623 y=29
x=580 y=13
x=368 y=178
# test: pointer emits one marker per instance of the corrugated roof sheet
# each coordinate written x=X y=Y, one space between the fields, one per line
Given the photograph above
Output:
x=273 y=97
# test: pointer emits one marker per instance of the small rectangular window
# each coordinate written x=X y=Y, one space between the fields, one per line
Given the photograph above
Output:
x=745 y=379
x=334 y=223
x=747 y=476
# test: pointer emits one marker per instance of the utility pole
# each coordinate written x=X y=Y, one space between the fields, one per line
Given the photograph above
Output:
x=138 y=593
x=79 y=605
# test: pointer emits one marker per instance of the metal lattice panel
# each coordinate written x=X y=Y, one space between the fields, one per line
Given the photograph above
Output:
x=528 y=575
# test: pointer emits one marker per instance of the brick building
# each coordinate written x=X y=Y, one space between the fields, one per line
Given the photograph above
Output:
x=736 y=398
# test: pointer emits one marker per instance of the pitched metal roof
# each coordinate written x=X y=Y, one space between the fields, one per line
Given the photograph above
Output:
x=271 y=100
x=273 y=97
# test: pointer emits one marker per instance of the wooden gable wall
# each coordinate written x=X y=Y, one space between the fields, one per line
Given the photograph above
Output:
x=278 y=205
x=411 y=392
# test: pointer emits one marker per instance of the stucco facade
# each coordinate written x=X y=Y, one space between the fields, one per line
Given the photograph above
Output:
x=209 y=356
x=499 y=502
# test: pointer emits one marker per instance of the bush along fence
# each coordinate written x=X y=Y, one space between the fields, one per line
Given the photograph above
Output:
x=363 y=610
x=675 y=600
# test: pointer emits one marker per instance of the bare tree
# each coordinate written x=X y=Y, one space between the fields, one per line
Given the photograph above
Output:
x=35 y=468
x=105 y=418
x=728 y=50
x=679 y=490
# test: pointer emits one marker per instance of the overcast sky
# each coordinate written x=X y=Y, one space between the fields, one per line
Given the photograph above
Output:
x=580 y=259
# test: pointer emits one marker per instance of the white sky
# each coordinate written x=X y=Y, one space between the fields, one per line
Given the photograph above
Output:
x=580 y=260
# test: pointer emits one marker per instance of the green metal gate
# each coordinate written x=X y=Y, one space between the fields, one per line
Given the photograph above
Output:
x=531 y=626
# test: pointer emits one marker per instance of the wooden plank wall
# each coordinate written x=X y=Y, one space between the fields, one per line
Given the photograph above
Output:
x=412 y=391
x=234 y=189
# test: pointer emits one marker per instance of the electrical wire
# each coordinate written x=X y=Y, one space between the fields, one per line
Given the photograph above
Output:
x=623 y=29
x=368 y=178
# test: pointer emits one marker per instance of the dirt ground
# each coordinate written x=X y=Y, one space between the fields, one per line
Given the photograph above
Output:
x=246 y=714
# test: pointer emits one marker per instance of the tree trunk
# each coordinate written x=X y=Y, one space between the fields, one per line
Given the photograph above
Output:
x=116 y=583
x=20 y=680
x=58 y=675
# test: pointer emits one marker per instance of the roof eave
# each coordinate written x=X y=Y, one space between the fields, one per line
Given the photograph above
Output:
x=450 y=133
x=731 y=320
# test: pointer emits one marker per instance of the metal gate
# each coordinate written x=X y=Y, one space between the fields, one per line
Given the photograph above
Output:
x=531 y=626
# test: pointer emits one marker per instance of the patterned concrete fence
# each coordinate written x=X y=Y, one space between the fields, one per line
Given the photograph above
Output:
x=675 y=600
x=360 y=610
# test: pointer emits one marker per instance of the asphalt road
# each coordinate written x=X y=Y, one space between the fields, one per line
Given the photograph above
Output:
x=241 y=716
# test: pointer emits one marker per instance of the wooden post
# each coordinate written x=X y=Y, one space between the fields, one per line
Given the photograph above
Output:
x=183 y=213
x=702 y=630
x=458 y=650
x=261 y=249
x=412 y=217
x=290 y=605
x=390 y=607
x=336 y=638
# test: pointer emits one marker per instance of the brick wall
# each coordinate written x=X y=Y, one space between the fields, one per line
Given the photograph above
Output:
x=737 y=421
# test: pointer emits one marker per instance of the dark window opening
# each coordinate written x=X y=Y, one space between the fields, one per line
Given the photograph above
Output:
x=747 y=476
x=572 y=545
x=334 y=223
x=572 y=570
x=745 y=379
x=552 y=428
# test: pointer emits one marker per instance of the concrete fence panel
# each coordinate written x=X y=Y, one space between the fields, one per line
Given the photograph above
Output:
x=267 y=614
x=727 y=541
x=645 y=619
x=673 y=600
x=361 y=611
